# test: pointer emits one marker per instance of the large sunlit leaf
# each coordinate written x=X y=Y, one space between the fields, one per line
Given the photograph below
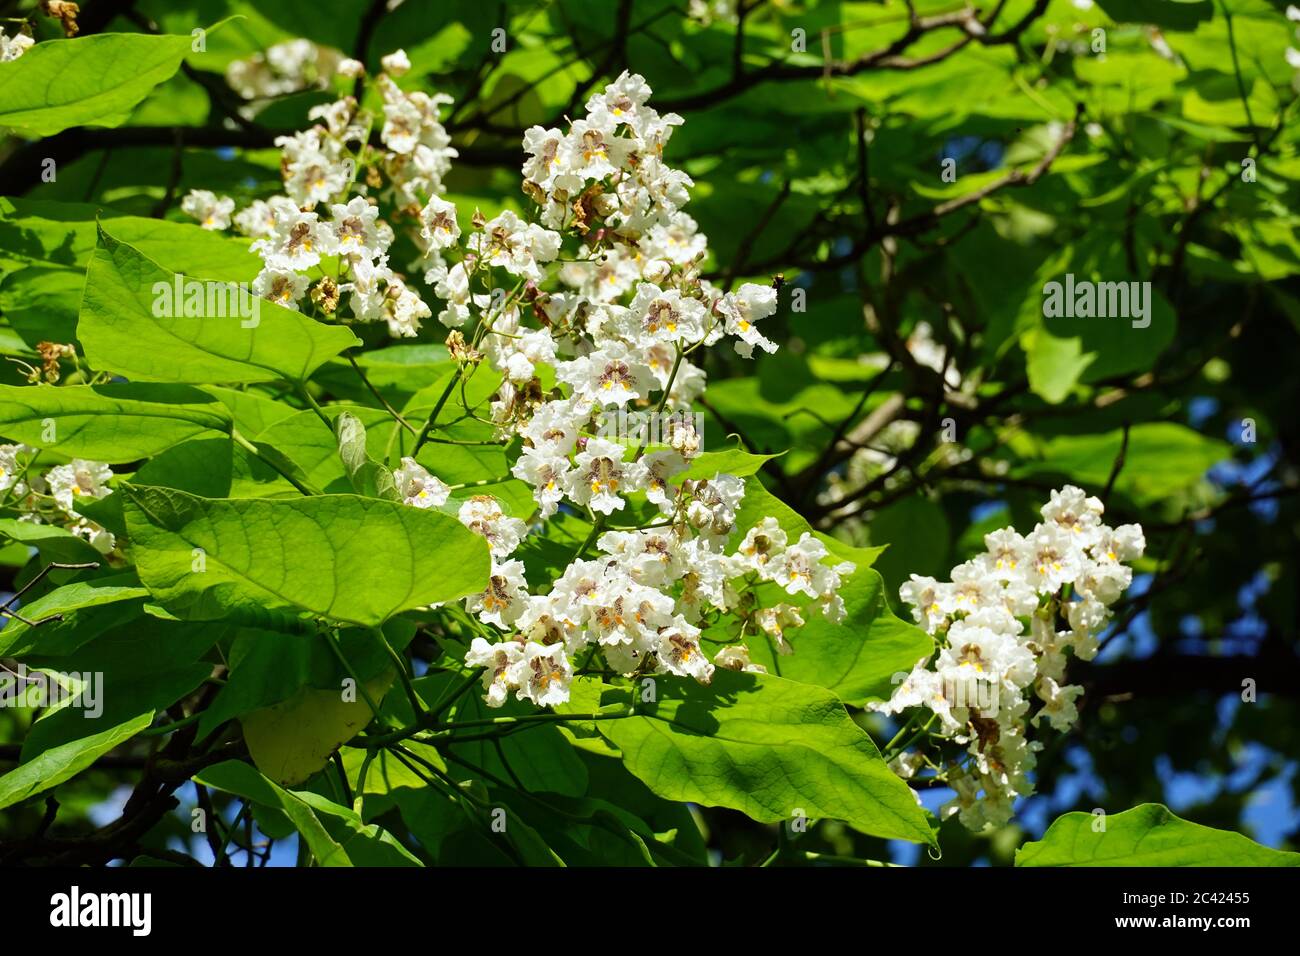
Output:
x=1148 y=835
x=85 y=81
x=127 y=326
x=112 y=423
x=343 y=557
x=768 y=747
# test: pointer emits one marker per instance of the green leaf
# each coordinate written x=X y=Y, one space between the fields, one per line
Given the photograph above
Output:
x=292 y=740
x=760 y=503
x=1170 y=14
x=733 y=461
x=111 y=423
x=368 y=477
x=53 y=543
x=86 y=81
x=769 y=748
x=17 y=638
x=347 y=558
x=238 y=778
x=365 y=845
x=62 y=763
x=857 y=658
x=141 y=664
x=313 y=450
x=542 y=760
x=1162 y=458
x=121 y=330
x=1147 y=835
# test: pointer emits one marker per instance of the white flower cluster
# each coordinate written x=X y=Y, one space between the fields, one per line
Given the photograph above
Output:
x=615 y=321
x=1004 y=623
x=708 y=11
x=618 y=338
x=52 y=498
x=12 y=47
x=325 y=234
x=643 y=603
x=283 y=68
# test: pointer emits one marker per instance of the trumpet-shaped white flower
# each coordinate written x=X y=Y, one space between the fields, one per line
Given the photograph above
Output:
x=212 y=211
x=417 y=487
x=78 y=480
x=482 y=514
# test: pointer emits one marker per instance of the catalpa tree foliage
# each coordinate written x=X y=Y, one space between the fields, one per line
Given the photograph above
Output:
x=647 y=433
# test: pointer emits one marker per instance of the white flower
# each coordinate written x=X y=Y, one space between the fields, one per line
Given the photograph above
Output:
x=652 y=558
x=499 y=660
x=11 y=48
x=664 y=316
x=660 y=467
x=1073 y=511
x=1006 y=552
x=402 y=308
x=99 y=538
x=774 y=621
x=621 y=101
x=505 y=597
x=597 y=153
x=312 y=174
x=550 y=162
x=367 y=288
x=547 y=474
x=543 y=621
x=927 y=597
x=418 y=488
x=482 y=514
x=296 y=244
x=281 y=286
x=979 y=653
x=257 y=220
x=554 y=428
x=438 y=225
x=608 y=376
x=1053 y=558
x=350 y=68
x=600 y=476
x=395 y=63
x=1058 y=704
x=680 y=654
x=741 y=309
x=10 y=467
x=1125 y=543
x=713 y=503
x=763 y=542
x=355 y=230
x=212 y=211
x=736 y=657
x=80 y=479
x=514 y=245
x=543 y=675
x=973 y=587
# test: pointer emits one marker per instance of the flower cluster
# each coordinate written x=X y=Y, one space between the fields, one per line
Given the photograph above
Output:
x=283 y=68
x=52 y=497
x=324 y=237
x=1005 y=623
x=611 y=323
x=632 y=307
